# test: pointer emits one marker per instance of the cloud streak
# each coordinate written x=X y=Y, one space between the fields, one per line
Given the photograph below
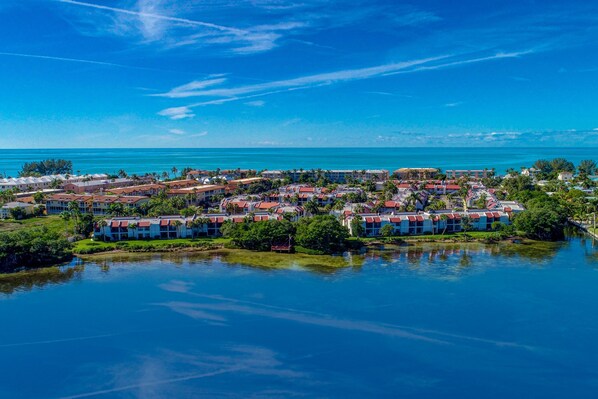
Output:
x=155 y=16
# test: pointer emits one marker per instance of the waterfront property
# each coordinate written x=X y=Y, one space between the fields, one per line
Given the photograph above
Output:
x=427 y=223
x=335 y=175
x=45 y=182
x=471 y=173
x=97 y=205
x=416 y=173
x=170 y=227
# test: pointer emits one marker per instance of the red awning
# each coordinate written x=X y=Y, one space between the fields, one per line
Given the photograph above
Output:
x=377 y=220
x=395 y=220
x=369 y=220
x=450 y=216
x=115 y=224
x=412 y=218
x=144 y=224
x=496 y=215
x=489 y=215
x=124 y=223
x=420 y=218
x=474 y=216
x=164 y=222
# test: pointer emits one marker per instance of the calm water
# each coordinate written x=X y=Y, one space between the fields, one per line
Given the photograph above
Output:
x=159 y=160
x=458 y=323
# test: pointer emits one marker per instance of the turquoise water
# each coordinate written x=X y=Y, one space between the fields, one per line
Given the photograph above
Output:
x=468 y=322
x=159 y=160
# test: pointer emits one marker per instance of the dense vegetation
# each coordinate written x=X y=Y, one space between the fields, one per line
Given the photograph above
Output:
x=47 y=167
x=323 y=234
x=32 y=248
x=259 y=236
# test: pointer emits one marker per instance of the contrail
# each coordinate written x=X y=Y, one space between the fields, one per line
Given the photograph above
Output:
x=49 y=57
x=153 y=383
x=157 y=16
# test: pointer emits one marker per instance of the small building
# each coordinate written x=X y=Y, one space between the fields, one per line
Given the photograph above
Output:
x=565 y=176
x=7 y=209
x=416 y=173
x=471 y=173
x=94 y=186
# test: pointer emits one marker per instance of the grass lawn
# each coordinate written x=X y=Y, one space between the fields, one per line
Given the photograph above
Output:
x=53 y=223
x=89 y=246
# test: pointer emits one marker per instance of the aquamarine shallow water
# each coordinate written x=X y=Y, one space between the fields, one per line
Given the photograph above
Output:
x=163 y=159
x=462 y=323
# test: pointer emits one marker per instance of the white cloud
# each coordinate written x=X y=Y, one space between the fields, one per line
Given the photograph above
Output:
x=454 y=104
x=178 y=132
x=176 y=113
x=256 y=103
x=202 y=134
x=304 y=81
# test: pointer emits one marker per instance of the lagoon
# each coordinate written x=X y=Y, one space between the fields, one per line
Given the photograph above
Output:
x=427 y=321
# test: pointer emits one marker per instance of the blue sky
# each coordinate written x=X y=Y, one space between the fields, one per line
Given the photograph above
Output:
x=304 y=73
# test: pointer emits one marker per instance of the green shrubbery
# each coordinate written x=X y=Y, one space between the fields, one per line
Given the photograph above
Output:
x=32 y=248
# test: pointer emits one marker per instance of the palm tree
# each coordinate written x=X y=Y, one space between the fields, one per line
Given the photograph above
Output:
x=312 y=207
x=103 y=223
x=66 y=216
x=444 y=218
x=177 y=224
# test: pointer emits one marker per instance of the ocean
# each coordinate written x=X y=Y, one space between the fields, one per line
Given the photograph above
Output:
x=139 y=161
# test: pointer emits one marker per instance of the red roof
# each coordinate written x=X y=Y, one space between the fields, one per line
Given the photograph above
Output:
x=307 y=189
x=267 y=205
x=124 y=223
x=395 y=220
x=496 y=214
x=238 y=220
x=508 y=209
x=377 y=219
x=369 y=220
x=489 y=215
x=411 y=218
x=452 y=187
x=474 y=216
x=144 y=224
x=261 y=218
x=164 y=222
x=218 y=219
x=115 y=224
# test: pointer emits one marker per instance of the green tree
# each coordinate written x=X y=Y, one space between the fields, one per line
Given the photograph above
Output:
x=587 y=167
x=322 y=233
x=387 y=230
x=357 y=227
x=541 y=224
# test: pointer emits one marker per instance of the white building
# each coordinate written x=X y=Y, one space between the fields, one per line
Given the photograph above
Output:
x=5 y=211
x=44 y=182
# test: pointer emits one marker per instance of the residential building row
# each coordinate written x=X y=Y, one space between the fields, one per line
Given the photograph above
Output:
x=427 y=223
x=335 y=175
x=45 y=182
x=97 y=205
x=169 y=227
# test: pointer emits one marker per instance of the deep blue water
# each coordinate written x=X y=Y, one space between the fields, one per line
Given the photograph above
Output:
x=159 y=160
x=473 y=323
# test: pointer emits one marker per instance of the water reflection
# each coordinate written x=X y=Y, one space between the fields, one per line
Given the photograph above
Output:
x=26 y=281
x=430 y=259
